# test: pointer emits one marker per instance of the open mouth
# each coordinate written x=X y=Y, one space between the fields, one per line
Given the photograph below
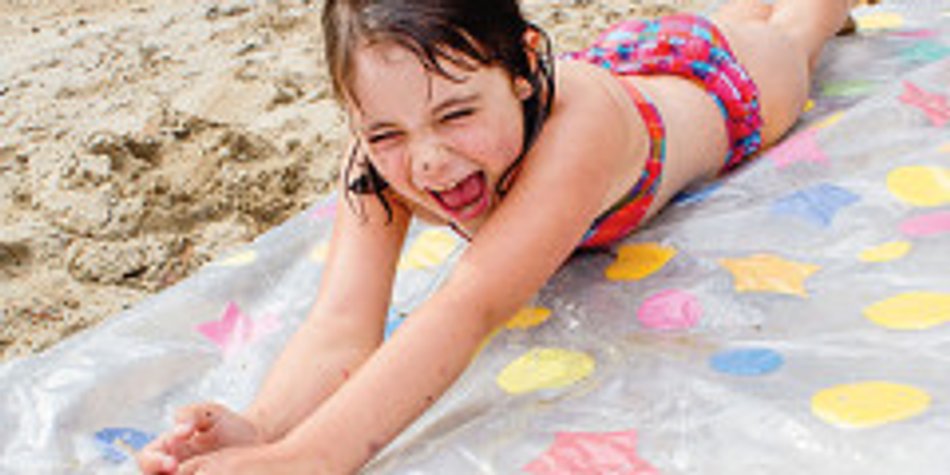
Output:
x=466 y=199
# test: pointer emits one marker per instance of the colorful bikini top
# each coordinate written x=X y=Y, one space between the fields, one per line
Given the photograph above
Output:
x=624 y=216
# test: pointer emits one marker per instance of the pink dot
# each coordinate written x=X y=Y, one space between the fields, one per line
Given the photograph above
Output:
x=670 y=310
x=916 y=34
x=927 y=225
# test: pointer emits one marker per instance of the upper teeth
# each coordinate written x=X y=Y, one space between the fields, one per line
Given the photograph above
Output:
x=440 y=189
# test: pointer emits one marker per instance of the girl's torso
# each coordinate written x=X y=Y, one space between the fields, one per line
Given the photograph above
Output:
x=694 y=130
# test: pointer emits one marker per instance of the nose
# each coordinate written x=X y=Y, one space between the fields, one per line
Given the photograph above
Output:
x=429 y=159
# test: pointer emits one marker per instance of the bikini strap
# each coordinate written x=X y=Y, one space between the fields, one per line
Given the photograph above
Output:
x=628 y=212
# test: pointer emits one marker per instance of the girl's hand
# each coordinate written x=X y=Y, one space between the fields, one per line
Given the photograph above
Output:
x=199 y=429
x=265 y=459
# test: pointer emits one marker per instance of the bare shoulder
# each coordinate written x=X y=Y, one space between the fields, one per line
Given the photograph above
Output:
x=584 y=89
x=592 y=111
x=591 y=107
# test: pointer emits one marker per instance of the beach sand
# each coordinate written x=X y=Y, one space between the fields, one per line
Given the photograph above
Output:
x=141 y=139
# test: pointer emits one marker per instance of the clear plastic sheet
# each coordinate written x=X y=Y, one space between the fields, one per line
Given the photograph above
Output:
x=789 y=318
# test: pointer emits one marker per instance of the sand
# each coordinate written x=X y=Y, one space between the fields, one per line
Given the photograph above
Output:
x=140 y=140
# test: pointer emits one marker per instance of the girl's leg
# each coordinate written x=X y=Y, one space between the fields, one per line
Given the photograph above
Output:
x=778 y=46
x=811 y=23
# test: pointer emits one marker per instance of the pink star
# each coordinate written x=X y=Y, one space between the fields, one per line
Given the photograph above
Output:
x=802 y=147
x=588 y=453
x=235 y=330
x=934 y=105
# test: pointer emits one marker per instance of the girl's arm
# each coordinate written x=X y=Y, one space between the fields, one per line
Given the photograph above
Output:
x=520 y=246
x=346 y=323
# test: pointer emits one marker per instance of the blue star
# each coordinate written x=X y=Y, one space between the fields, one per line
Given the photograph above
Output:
x=116 y=443
x=925 y=52
x=817 y=205
x=696 y=195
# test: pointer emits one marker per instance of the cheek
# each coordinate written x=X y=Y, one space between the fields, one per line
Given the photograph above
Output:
x=493 y=146
x=389 y=165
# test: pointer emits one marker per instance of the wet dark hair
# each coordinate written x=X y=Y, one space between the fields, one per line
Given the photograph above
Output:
x=466 y=33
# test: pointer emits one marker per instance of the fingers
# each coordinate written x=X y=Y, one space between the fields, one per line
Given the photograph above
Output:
x=203 y=416
x=198 y=429
x=162 y=455
x=191 y=467
x=155 y=462
x=202 y=466
x=216 y=425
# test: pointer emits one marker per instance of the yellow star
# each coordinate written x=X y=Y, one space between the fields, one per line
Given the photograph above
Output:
x=431 y=249
x=769 y=273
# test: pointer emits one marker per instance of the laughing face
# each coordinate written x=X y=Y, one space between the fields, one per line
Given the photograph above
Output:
x=443 y=144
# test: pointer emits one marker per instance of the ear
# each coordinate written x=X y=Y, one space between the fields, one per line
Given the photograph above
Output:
x=531 y=41
x=523 y=88
x=531 y=38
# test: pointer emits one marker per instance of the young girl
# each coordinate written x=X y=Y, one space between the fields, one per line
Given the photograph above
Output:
x=460 y=116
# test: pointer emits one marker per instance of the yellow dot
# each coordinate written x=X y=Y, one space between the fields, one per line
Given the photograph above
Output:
x=868 y=404
x=238 y=260
x=809 y=105
x=528 y=317
x=830 y=120
x=911 y=311
x=886 y=252
x=880 y=21
x=430 y=249
x=920 y=185
x=319 y=252
x=638 y=261
x=545 y=368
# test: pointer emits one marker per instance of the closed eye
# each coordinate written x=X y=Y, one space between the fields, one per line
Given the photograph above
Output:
x=457 y=114
x=382 y=137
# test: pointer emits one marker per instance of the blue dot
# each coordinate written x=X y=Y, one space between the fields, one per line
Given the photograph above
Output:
x=746 y=362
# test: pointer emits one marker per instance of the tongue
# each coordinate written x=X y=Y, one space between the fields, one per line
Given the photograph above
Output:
x=465 y=193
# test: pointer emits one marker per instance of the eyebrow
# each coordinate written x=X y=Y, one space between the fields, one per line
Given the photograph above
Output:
x=446 y=104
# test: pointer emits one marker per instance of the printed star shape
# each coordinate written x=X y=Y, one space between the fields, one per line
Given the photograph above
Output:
x=698 y=195
x=769 y=273
x=118 y=444
x=799 y=148
x=926 y=51
x=590 y=453
x=235 y=330
x=818 y=205
x=933 y=105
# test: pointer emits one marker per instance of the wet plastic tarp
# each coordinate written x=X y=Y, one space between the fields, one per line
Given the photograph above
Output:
x=790 y=318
